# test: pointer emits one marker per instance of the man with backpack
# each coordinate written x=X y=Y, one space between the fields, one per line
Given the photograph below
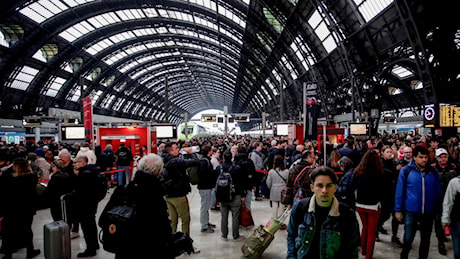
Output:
x=206 y=182
x=229 y=189
x=299 y=178
x=249 y=171
x=177 y=185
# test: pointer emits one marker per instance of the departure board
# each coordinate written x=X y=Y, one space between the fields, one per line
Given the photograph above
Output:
x=449 y=115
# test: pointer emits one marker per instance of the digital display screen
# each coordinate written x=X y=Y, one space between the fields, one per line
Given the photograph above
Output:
x=282 y=129
x=166 y=131
x=358 y=129
x=74 y=132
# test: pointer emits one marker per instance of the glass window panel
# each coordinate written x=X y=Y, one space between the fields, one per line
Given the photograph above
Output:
x=329 y=44
x=370 y=8
x=23 y=78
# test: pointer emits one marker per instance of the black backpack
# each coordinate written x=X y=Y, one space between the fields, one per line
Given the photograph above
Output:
x=225 y=190
x=116 y=222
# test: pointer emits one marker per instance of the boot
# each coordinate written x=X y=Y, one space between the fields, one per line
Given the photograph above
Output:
x=442 y=249
x=395 y=240
x=31 y=253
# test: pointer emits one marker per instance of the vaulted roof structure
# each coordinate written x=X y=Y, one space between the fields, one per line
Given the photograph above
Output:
x=156 y=60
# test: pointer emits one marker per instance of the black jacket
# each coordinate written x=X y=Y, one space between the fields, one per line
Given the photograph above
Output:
x=83 y=199
x=206 y=173
x=151 y=231
x=248 y=170
x=177 y=170
x=238 y=177
x=18 y=195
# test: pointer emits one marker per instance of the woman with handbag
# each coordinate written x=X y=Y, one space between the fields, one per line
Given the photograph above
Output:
x=276 y=181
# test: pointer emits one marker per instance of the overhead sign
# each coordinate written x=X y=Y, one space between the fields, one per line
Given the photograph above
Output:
x=430 y=115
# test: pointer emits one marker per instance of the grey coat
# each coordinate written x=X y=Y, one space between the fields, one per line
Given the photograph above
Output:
x=276 y=184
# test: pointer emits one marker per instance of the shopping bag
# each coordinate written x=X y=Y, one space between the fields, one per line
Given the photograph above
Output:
x=246 y=219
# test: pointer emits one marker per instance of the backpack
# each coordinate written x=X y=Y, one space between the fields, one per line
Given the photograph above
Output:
x=224 y=186
x=193 y=172
x=115 y=223
x=102 y=186
x=171 y=183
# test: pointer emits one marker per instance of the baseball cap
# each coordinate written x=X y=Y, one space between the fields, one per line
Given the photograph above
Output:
x=440 y=151
x=46 y=147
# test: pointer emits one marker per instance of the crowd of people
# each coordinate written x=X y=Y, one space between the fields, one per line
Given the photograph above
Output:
x=411 y=179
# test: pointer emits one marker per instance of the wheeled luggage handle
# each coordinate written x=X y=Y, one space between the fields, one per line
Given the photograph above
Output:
x=64 y=211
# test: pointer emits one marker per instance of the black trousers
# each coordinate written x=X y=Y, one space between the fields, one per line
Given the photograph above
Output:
x=89 y=228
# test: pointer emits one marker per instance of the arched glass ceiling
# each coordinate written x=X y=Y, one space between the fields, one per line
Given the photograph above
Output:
x=199 y=42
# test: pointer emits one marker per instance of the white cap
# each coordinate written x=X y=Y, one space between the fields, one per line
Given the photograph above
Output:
x=46 y=147
x=440 y=151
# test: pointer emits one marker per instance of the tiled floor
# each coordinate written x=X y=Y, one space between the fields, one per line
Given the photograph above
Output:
x=212 y=247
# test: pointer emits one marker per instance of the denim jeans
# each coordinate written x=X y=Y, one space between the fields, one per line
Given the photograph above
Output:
x=213 y=198
x=425 y=223
x=455 y=234
x=122 y=176
x=205 y=206
x=248 y=199
x=235 y=207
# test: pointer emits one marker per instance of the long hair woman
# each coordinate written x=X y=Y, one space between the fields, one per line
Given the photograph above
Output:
x=276 y=181
x=367 y=180
x=18 y=195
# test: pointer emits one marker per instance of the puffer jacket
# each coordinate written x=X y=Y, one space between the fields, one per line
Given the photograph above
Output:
x=339 y=236
x=417 y=194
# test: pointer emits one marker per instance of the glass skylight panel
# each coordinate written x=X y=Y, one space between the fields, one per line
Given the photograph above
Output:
x=39 y=56
x=23 y=78
x=329 y=44
x=370 y=8
x=401 y=72
x=130 y=14
x=271 y=86
x=41 y=10
x=122 y=37
x=230 y=15
x=74 y=32
x=96 y=96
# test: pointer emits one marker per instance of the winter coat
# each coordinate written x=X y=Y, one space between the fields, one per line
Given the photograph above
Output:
x=176 y=168
x=60 y=184
x=339 y=236
x=417 y=194
x=275 y=183
x=85 y=151
x=303 y=181
x=238 y=177
x=83 y=199
x=151 y=219
x=207 y=177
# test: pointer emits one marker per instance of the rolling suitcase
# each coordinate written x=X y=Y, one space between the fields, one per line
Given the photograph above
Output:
x=261 y=238
x=57 y=237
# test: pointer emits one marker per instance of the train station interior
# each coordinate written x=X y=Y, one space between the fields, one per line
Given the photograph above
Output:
x=387 y=64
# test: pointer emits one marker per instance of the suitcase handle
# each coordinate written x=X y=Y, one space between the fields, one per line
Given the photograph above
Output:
x=64 y=211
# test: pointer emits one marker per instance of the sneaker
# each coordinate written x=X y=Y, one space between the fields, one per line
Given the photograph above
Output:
x=377 y=238
x=74 y=235
x=211 y=225
x=208 y=230
x=283 y=227
x=86 y=253
x=395 y=240
x=224 y=238
x=239 y=238
x=215 y=208
x=196 y=250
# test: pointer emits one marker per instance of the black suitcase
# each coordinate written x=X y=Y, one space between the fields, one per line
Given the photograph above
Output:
x=57 y=238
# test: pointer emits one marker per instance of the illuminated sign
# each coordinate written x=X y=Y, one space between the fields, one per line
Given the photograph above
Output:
x=208 y=118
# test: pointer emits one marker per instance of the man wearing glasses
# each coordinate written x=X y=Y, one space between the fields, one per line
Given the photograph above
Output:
x=406 y=159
